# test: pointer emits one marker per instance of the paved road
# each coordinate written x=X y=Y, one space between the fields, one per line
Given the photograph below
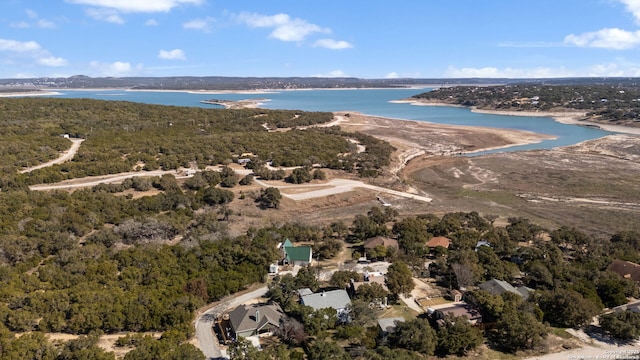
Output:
x=65 y=156
x=207 y=342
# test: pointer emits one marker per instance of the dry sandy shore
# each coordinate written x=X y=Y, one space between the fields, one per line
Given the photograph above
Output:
x=29 y=93
x=564 y=117
x=435 y=139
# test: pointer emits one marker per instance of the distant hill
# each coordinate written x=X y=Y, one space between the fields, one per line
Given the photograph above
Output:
x=260 y=83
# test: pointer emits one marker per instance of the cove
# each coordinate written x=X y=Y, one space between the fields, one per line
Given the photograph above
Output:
x=368 y=101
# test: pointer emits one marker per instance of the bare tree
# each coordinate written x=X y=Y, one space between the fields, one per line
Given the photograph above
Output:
x=464 y=275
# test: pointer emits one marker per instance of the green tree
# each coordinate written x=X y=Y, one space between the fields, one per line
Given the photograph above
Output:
x=269 y=198
x=323 y=349
x=246 y=180
x=371 y=292
x=299 y=176
x=567 y=308
x=457 y=336
x=518 y=330
x=623 y=325
x=342 y=278
x=416 y=335
x=399 y=279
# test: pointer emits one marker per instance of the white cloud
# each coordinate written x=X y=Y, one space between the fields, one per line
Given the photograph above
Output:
x=151 y=22
x=332 y=44
x=284 y=27
x=107 y=15
x=26 y=52
x=114 y=69
x=493 y=72
x=606 y=38
x=20 y=25
x=35 y=22
x=618 y=68
x=330 y=74
x=53 y=61
x=137 y=6
x=633 y=6
x=31 y=14
x=200 y=24
x=18 y=46
x=175 y=54
x=46 y=24
x=392 y=75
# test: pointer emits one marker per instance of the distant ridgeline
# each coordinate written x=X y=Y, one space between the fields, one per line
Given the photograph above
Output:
x=231 y=83
x=256 y=83
x=123 y=136
x=606 y=103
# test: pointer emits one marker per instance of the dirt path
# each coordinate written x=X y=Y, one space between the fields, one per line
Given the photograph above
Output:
x=65 y=156
x=106 y=179
x=337 y=186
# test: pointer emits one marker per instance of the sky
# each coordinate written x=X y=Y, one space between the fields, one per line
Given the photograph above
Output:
x=370 y=39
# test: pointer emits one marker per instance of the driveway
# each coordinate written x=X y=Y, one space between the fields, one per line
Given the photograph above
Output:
x=207 y=341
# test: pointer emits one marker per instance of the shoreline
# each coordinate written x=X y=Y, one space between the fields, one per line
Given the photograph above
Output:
x=29 y=93
x=564 y=117
x=368 y=123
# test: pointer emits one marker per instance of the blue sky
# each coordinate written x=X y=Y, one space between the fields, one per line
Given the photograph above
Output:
x=366 y=39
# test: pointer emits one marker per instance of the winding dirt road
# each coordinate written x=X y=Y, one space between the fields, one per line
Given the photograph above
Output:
x=64 y=157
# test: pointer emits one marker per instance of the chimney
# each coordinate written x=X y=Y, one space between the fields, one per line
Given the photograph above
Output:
x=257 y=316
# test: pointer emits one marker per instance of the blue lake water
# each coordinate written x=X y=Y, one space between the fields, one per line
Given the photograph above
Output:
x=368 y=101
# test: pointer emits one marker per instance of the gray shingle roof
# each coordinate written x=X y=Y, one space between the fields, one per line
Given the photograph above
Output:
x=337 y=299
x=243 y=318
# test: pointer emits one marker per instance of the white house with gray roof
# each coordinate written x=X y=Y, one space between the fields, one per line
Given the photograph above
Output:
x=337 y=299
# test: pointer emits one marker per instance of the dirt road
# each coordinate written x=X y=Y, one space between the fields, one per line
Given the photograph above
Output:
x=65 y=156
x=337 y=186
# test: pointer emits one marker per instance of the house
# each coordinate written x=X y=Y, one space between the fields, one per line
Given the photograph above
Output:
x=497 y=287
x=250 y=320
x=304 y=292
x=460 y=309
x=369 y=278
x=388 y=325
x=296 y=255
x=626 y=269
x=337 y=299
x=439 y=241
x=380 y=241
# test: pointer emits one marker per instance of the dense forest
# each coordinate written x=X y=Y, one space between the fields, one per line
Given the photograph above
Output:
x=611 y=103
x=124 y=136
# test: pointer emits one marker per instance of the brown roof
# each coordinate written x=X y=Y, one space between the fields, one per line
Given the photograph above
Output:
x=380 y=240
x=626 y=269
x=439 y=241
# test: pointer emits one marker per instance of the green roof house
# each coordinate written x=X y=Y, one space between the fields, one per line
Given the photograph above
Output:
x=296 y=255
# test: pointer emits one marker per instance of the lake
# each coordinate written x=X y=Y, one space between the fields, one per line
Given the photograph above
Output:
x=368 y=101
